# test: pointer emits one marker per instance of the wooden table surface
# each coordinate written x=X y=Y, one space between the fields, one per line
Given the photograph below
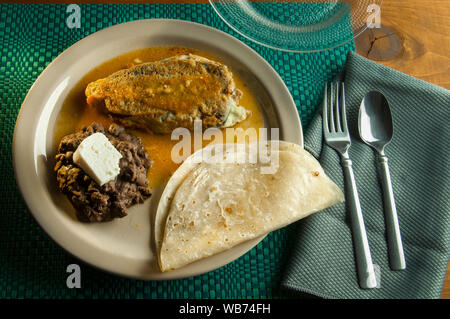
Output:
x=417 y=42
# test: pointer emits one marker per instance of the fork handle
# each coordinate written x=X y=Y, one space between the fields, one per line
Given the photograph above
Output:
x=366 y=273
x=396 y=255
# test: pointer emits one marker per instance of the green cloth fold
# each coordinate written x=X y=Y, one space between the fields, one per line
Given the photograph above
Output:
x=322 y=259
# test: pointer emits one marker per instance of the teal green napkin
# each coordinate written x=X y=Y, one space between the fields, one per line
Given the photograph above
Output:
x=322 y=262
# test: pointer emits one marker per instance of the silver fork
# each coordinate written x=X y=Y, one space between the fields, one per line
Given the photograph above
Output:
x=337 y=136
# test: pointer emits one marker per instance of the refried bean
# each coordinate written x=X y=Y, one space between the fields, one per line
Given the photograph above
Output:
x=95 y=203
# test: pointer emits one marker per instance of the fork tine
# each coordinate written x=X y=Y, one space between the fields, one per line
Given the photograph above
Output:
x=326 y=128
x=343 y=111
x=338 y=107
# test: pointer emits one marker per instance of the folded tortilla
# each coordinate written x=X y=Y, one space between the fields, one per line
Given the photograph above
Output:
x=211 y=207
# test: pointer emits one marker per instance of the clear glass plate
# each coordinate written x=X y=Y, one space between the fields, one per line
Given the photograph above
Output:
x=298 y=26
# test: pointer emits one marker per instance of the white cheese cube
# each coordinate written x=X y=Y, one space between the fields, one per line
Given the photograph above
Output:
x=98 y=158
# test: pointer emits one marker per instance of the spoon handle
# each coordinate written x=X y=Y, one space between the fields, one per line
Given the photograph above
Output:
x=395 y=246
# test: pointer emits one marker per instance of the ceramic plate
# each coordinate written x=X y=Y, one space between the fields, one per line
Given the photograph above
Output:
x=126 y=246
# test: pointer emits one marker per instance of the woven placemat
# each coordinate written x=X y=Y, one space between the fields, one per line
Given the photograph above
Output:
x=31 y=264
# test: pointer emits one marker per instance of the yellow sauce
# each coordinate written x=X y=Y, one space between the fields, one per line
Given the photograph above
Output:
x=76 y=113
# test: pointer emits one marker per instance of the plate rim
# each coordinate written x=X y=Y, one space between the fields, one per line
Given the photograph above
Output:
x=21 y=171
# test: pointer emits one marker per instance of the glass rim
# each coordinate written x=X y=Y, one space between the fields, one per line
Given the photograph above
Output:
x=234 y=28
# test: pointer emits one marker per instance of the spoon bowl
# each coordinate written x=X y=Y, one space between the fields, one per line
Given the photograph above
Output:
x=375 y=121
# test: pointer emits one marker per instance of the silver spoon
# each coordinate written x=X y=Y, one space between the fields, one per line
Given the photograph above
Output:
x=376 y=130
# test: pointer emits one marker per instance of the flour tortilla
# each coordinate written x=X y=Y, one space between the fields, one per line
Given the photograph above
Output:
x=211 y=207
